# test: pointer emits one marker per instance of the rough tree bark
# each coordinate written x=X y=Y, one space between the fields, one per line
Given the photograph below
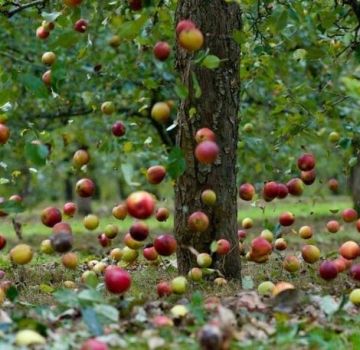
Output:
x=217 y=108
x=354 y=181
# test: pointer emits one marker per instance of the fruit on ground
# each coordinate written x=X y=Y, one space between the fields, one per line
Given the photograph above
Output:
x=260 y=247
x=81 y=25
x=198 y=222
x=205 y=134
x=46 y=247
x=165 y=245
x=223 y=246
x=265 y=288
x=291 y=263
x=308 y=177
x=191 y=39
x=281 y=287
x=107 y=107
x=118 y=129
x=150 y=253
x=179 y=285
x=140 y=204
x=117 y=280
x=61 y=242
x=160 y=112
x=42 y=33
x=204 y=260
x=139 y=231
x=355 y=272
x=349 y=215
x=163 y=289
x=208 y=197
x=241 y=235
x=270 y=190
x=333 y=226
x=21 y=254
x=286 y=219
x=220 y=281
x=116 y=254
x=120 y=211
x=50 y=216
x=349 y=250
x=80 y=158
x=328 y=270
x=280 y=244
x=70 y=260
x=162 y=214
x=268 y=235
x=104 y=240
x=70 y=209
x=282 y=191
x=342 y=264
x=129 y=255
x=306 y=162
x=354 y=297
x=85 y=188
x=48 y=58
x=111 y=231
x=333 y=185
x=295 y=187
x=155 y=174
x=2 y=242
x=305 y=232
x=310 y=253
x=184 y=24
x=62 y=227
x=72 y=3
x=195 y=274
x=246 y=192
x=207 y=152
x=91 y=222
x=29 y=338
x=247 y=223
x=99 y=267
x=162 y=50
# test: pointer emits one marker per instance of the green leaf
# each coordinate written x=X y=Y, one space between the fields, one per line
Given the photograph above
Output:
x=211 y=62
x=91 y=320
x=50 y=16
x=90 y=295
x=12 y=293
x=196 y=85
x=34 y=85
x=182 y=91
x=176 y=164
x=131 y=29
x=66 y=297
x=107 y=312
x=46 y=288
x=36 y=153
x=12 y=207
x=128 y=172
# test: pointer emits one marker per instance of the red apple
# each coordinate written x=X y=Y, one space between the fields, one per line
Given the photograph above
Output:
x=155 y=174
x=355 y=272
x=333 y=185
x=163 y=289
x=358 y=225
x=93 y=344
x=270 y=190
x=328 y=270
x=104 y=240
x=162 y=214
x=184 y=24
x=349 y=250
x=207 y=152
x=165 y=245
x=198 y=222
x=291 y=263
x=140 y=204
x=150 y=253
x=139 y=231
x=46 y=77
x=2 y=242
x=162 y=50
x=246 y=192
x=117 y=280
x=349 y=215
x=260 y=247
x=295 y=187
x=42 y=33
x=85 y=187
x=280 y=244
x=310 y=253
x=223 y=246
x=308 y=177
x=81 y=25
x=4 y=134
x=205 y=134
x=118 y=129
x=282 y=191
x=286 y=218
x=69 y=209
x=50 y=216
x=62 y=227
x=120 y=211
x=333 y=226
x=306 y=162
x=135 y=5
x=241 y=235
x=72 y=3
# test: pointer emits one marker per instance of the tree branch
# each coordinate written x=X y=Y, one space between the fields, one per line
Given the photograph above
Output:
x=15 y=7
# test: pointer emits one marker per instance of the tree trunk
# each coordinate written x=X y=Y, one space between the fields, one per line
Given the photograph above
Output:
x=217 y=108
x=355 y=176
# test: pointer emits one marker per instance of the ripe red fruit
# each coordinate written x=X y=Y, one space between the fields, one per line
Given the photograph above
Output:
x=81 y=25
x=242 y=235
x=260 y=247
x=85 y=187
x=16 y=198
x=270 y=190
x=205 y=134
x=223 y=247
x=286 y=218
x=184 y=24
x=328 y=270
x=155 y=174
x=246 y=192
x=118 y=129
x=93 y=344
x=349 y=250
x=150 y=253
x=62 y=227
x=349 y=215
x=333 y=226
x=163 y=289
x=120 y=211
x=72 y=3
x=2 y=242
x=206 y=152
x=358 y=225
x=69 y=209
x=310 y=253
x=162 y=214
x=117 y=280
x=46 y=77
x=308 y=177
x=139 y=231
x=165 y=245
x=306 y=162
x=162 y=50
x=355 y=272
x=198 y=222
x=280 y=244
x=4 y=134
x=42 y=33
x=282 y=191
x=140 y=204
x=295 y=187
x=104 y=240
x=50 y=216
x=333 y=185
x=135 y=5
